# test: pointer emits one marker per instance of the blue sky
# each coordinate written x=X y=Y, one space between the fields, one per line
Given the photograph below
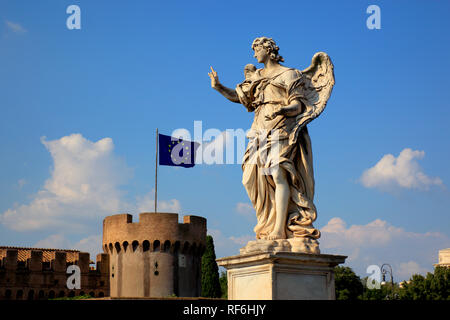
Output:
x=140 y=65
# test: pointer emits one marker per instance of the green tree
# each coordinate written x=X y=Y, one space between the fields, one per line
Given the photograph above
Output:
x=348 y=285
x=434 y=286
x=210 y=271
x=224 y=285
x=440 y=286
x=385 y=292
x=415 y=289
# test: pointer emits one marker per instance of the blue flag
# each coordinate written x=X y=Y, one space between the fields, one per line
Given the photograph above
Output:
x=176 y=152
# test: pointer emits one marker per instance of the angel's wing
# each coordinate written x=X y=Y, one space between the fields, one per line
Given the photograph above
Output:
x=318 y=82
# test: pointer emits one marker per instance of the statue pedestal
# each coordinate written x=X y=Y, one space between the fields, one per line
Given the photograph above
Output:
x=281 y=276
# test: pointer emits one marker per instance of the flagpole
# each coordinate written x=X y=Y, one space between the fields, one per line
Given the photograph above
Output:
x=156 y=173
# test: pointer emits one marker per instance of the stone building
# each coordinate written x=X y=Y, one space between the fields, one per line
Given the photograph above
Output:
x=444 y=258
x=155 y=257
x=31 y=273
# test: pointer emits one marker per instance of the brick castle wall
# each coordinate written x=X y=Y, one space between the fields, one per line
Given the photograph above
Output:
x=155 y=257
x=31 y=273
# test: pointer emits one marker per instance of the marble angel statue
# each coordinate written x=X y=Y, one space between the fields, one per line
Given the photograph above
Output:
x=278 y=165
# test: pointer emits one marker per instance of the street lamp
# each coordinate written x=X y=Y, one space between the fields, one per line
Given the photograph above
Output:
x=384 y=270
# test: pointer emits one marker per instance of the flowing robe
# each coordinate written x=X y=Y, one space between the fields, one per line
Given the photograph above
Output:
x=274 y=143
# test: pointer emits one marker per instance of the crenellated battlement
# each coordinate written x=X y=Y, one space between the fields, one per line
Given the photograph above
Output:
x=30 y=273
x=153 y=232
x=37 y=259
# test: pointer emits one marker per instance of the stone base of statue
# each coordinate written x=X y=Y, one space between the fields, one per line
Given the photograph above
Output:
x=302 y=245
x=266 y=272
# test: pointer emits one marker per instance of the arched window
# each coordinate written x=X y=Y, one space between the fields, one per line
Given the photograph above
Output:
x=156 y=246
x=176 y=247
x=71 y=294
x=135 y=245
x=31 y=295
x=186 y=247
x=146 y=245
x=125 y=246
x=101 y=294
x=110 y=248
x=19 y=295
x=92 y=294
x=8 y=294
x=117 y=246
x=51 y=294
x=41 y=295
x=166 y=246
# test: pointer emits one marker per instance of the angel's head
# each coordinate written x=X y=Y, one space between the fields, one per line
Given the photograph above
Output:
x=265 y=48
x=249 y=71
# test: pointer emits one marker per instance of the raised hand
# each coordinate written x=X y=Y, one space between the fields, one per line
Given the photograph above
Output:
x=214 y=78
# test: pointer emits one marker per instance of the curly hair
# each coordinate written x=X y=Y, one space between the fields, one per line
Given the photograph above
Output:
x=270 y=46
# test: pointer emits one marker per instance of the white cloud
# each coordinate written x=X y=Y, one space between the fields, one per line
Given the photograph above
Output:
x=84 y=184
x=245 y=209
x=228 y=246
x=83 y=188
x=406 y=269
x=375 y=233
x=242 y=240
x=379 y=242
x=403 y=171
x=91 y=244
x=54 y=241
x=15 y=27
x=146 y=203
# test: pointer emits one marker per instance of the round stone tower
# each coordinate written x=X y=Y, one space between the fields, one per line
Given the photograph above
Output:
x=155 y=257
